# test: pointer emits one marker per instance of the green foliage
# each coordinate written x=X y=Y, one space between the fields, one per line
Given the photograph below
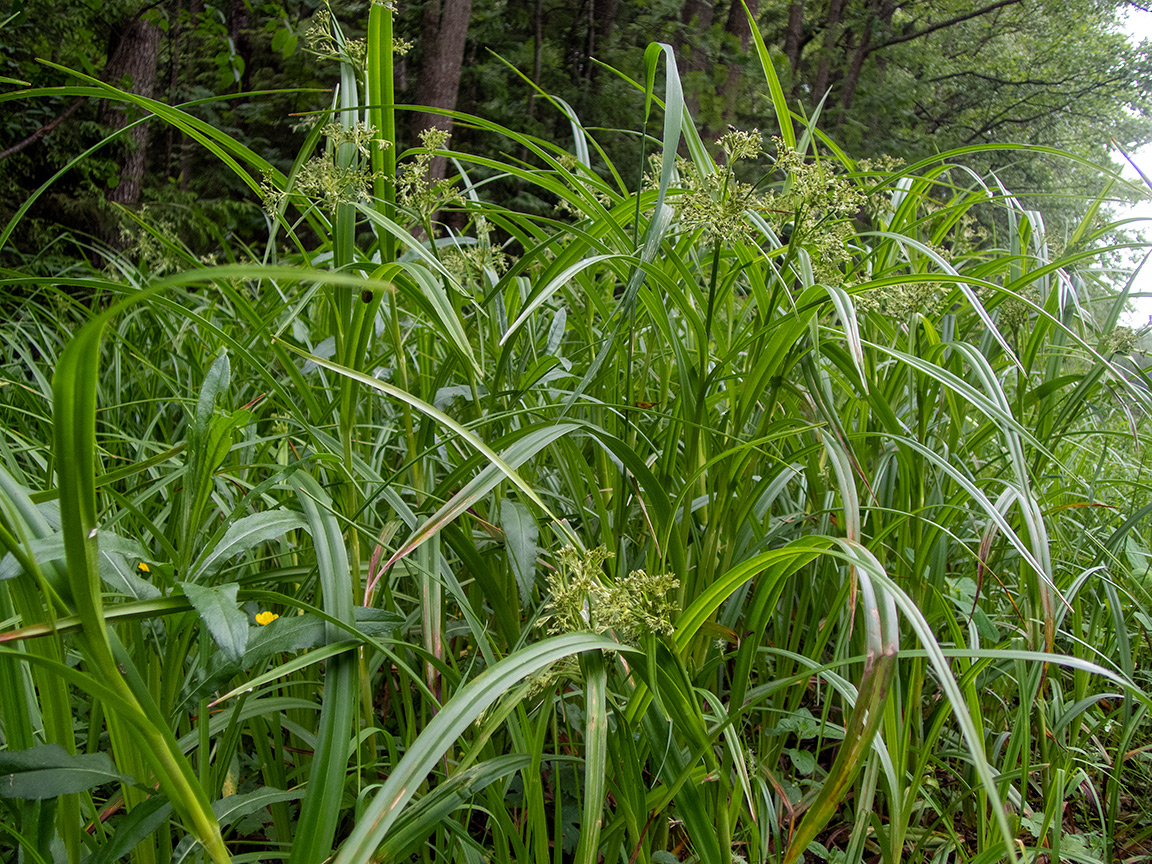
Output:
x=740 y=507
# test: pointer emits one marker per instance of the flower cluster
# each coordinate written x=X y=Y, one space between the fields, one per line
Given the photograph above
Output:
x=321 y=40
x=737 y=144
x=904 y=300
x=417 y=189
x=822 y=204
x=1123 y=340
x=717 y=202
x=152 y=251
x=639 y=604
x=1016 y=311
x=360 y=135
x=633 y=606
x=324 y=179
x=466 y=262
x=815 y=206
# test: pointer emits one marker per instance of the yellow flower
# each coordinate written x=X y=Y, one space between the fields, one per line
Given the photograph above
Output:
x=264 y=618
x=143 y=568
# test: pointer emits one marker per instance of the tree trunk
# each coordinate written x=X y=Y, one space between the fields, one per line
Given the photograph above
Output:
x=174 y=9
x=794 y=36
x=239 y=25
x=444 y=35
x=737 y=25
x=132 y=65
x=880 y=12
x=697 y=17
x=853 y=78
x=606 y=16
x=831 y=26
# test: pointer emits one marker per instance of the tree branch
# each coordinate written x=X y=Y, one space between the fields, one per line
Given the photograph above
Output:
x=908 y=37
x=46 y=129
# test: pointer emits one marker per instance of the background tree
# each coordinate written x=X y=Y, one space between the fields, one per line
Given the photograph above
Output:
x=132 y=66
x=904 y=78
x=445 y=29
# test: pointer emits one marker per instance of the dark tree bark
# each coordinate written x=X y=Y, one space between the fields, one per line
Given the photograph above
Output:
x=880 y=13
x=606 y=13
x=131 y=65
x=444 y=34
x=853 y=78
x=794 y=36
x=697 y=18
x=239 y=25
x=175 y=7
x=737 y=25
x=831 y=31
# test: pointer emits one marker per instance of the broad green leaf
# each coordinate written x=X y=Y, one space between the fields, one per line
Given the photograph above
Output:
x=49 y=770
x=520 y=535
x=221 y=614
x=244 y=534
x=214 y=387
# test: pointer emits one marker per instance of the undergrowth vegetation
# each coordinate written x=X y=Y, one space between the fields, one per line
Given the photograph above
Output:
x=755 y=504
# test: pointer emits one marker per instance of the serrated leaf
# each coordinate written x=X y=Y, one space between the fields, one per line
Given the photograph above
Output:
x=49 y=770
x=245 y=533
x=376 y=622
x=801 y=723
x=520 y=535
x=221 y=614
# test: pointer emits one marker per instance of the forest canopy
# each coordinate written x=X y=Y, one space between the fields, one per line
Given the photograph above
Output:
x=880 y=77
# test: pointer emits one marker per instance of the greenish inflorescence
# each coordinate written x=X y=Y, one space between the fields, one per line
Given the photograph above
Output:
x=324 y=180
x=631 y=607
x=418 y=190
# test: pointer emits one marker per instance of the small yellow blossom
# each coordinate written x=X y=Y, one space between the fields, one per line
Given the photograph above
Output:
x=265 y=618
x=143 y=568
